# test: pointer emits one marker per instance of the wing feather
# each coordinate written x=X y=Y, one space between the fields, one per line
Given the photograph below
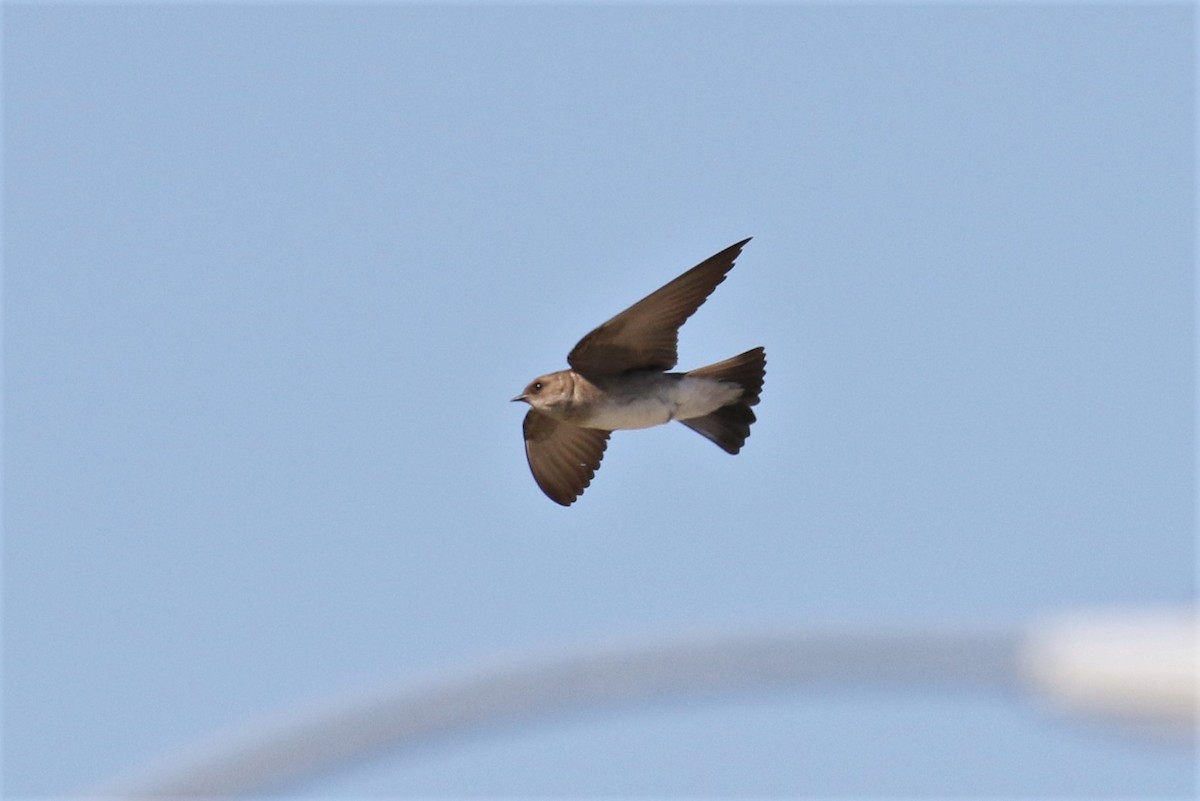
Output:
x=646 y=335
x=562 y=457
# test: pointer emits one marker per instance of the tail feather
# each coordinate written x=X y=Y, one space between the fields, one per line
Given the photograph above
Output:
x=729 y=426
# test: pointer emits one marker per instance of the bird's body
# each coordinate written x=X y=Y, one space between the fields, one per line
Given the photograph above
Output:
x=619 y=380
x=637 y=399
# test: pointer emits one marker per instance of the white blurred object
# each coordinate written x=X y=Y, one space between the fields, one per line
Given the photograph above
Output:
x=1138 y=666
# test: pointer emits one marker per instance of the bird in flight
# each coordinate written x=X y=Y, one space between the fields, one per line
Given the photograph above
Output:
x=619 y=380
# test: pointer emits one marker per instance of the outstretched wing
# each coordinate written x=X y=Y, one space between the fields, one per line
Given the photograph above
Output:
x=563 y=457
x=646 y=335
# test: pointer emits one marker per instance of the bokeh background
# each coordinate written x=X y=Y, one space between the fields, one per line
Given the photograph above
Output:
x=272 y=273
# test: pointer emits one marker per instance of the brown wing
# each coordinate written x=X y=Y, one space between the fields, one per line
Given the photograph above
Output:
x=646 y=335
x=563 y=457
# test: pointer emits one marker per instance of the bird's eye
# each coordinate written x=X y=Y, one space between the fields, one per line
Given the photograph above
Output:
x=537 y=386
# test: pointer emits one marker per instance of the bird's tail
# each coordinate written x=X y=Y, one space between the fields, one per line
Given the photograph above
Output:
x=729 y=426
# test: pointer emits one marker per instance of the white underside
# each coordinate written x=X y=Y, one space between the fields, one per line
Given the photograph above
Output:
x=683 y=400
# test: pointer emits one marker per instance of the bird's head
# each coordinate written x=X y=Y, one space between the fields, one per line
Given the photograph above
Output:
x=546 y=392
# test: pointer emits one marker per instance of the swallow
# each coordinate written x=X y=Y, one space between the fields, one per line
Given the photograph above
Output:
x=619 y=380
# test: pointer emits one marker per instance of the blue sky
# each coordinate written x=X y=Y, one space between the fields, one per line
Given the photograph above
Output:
x=273 y=272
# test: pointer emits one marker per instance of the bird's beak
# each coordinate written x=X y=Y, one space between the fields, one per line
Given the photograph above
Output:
x=520 y=397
